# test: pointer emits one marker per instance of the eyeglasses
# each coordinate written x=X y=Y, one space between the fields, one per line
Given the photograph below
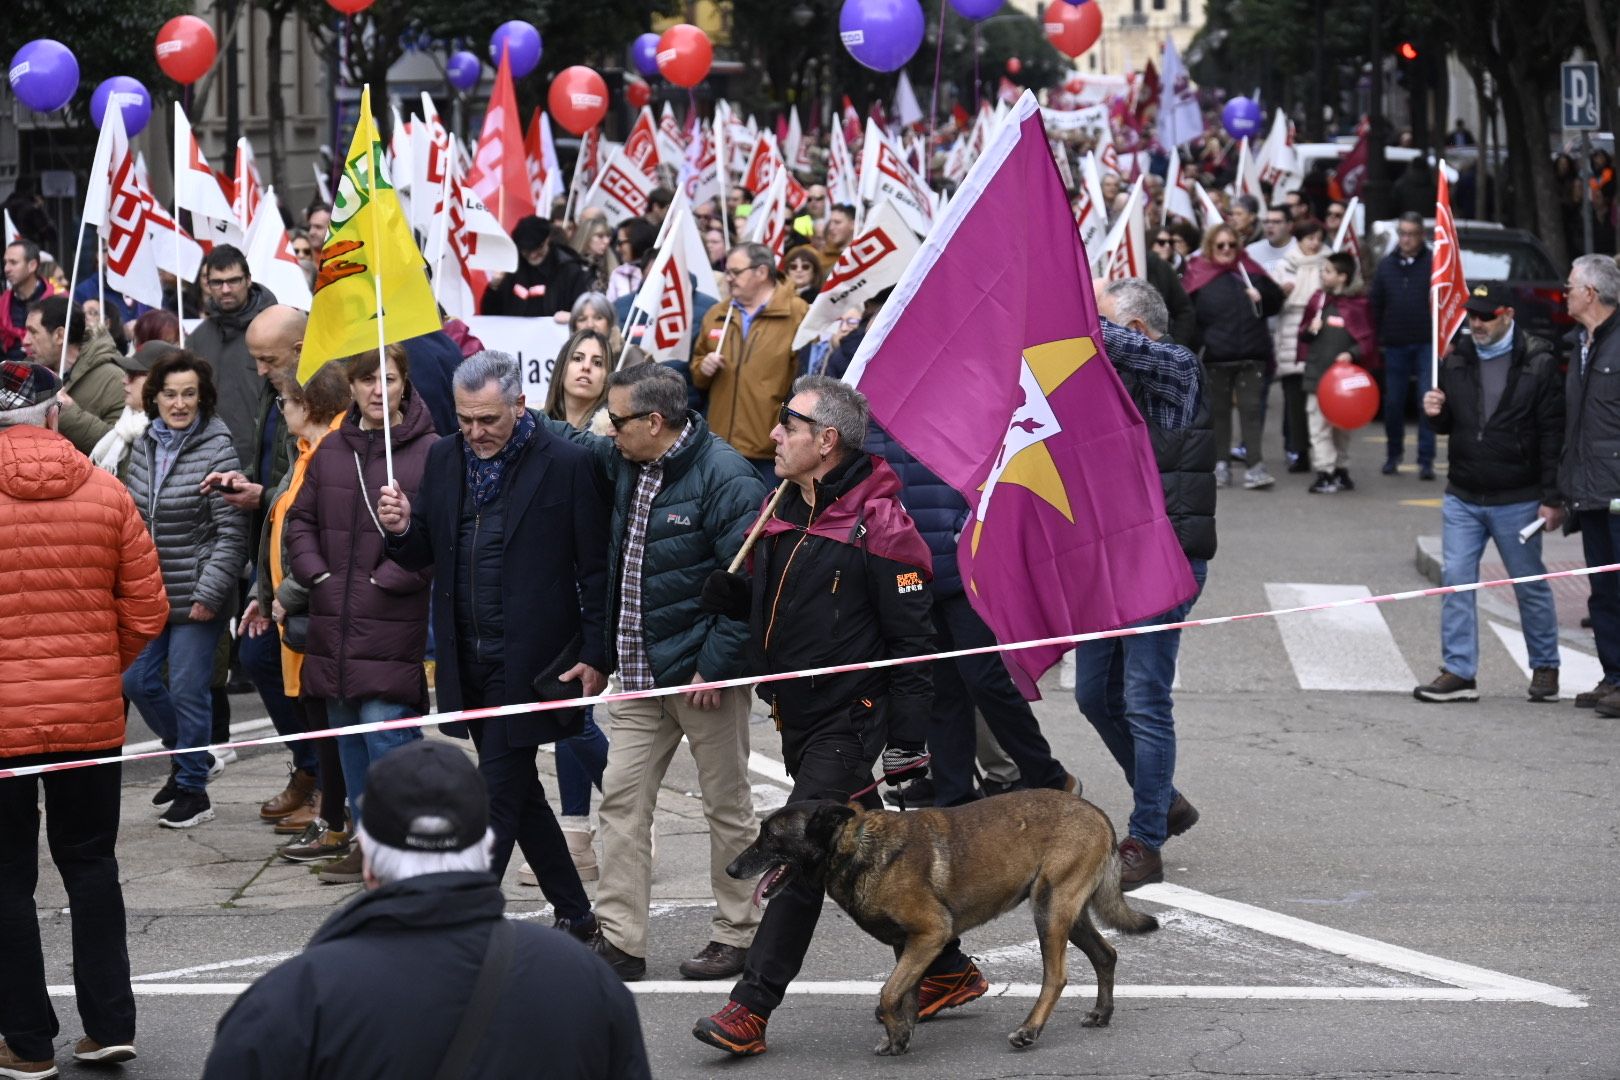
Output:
x=227 y=282
x=1161 y=241
x=787 y=414
x=736 y=272
x=1225 y=245
x=618 y=422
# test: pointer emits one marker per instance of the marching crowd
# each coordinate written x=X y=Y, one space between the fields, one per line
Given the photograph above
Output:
x=404 y=529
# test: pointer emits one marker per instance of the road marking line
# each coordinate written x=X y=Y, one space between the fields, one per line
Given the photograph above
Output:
x=244 y=728
x=180 y=973
x=1426 y=504
x=1346 y=648
x=1364 y=949
x=809 y=988
x=1577 y=669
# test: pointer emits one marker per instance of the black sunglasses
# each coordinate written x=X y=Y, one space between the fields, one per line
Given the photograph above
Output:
x=618 y=422
x=789 y=414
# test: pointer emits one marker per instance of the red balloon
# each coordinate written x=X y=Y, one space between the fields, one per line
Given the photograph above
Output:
x=637 y=93
x=578 y=99
x=1014 y=65
x=1073 y=28
x=684 y=55
x=351 y=7
x=1348 y=396
x=186 y=49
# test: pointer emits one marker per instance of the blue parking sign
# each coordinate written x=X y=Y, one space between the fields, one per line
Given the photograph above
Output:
x=1580 y=83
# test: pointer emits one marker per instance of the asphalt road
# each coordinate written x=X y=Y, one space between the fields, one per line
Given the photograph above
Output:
x=1378 y=887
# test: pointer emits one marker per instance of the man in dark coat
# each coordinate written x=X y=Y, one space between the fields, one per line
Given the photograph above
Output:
x=549 y=277
x=503 y=485
x=234 y=301
x=422 y=965
x=1400 y=306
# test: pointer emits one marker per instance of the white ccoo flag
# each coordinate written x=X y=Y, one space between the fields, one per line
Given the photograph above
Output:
x=270 y=256
x=872 y=262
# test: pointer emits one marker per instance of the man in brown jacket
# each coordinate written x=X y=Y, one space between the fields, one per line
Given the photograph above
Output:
x=745 y=363
x=80 y=596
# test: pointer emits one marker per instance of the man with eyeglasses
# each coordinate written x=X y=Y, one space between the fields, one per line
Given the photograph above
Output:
x=233 y=301
x=840 y=576
x=744 y=362
x=1400 y=305
x=1589 y=474
x=682 y=503
x=1500 y=400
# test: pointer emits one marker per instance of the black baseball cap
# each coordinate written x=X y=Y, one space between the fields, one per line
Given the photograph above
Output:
x=1487 y=299
x=426 y=796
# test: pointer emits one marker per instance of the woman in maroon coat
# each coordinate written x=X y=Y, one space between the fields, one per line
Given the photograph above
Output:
x=368 y=615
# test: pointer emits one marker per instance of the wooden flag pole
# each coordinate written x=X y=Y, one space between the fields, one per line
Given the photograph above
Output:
x=759 y=527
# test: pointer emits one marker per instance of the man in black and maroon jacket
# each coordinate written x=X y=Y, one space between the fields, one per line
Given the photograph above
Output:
x=839 y=576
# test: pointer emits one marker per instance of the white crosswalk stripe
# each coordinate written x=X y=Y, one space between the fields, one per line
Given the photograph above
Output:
x=1577 y=671
x=1348 y=648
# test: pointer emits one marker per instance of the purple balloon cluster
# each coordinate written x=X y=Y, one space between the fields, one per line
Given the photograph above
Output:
x=644 y=54
x=464 y=69
x=131 y=98
x=881 y=34
x=1242 y=117
x=44 y=73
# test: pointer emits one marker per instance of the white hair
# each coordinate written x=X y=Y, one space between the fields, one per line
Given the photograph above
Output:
x=391 y=864
x=30 y=416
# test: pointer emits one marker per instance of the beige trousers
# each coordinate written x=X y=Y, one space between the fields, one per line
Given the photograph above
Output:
x=645 y=735
x=1330 y=446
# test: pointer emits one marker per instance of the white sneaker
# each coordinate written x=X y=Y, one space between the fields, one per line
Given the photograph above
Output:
x=1223 y=475
x=226 y=756
x=1257 y=477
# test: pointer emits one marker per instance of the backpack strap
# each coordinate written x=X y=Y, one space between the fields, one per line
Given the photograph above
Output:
x=481 y=1005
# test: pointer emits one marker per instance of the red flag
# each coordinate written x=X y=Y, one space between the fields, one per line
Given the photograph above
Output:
x=852 y=124
x=1447 y=285
x=500 y=170
x=1067 y=532
x=1352 y=171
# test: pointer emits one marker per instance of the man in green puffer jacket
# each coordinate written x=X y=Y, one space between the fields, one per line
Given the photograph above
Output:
x=95 y=382
x=682 y=502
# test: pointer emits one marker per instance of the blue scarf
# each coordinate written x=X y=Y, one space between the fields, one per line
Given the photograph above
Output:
x=1501 y=348
x=484 y=475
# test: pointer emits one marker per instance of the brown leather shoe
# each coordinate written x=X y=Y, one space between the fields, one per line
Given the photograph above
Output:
x=1138 y=864
x=300 y=786
x=299 y=820
x=1544 y=684
x=16 y=1066
x=1609 y=705
x=1588 y=699
x=716 y=961
x=1183 y=815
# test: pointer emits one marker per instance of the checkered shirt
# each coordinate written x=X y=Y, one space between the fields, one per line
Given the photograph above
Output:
x=635 y=668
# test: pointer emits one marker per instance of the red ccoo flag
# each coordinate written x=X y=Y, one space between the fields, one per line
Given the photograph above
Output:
x=1448 y=288
x=500 y=168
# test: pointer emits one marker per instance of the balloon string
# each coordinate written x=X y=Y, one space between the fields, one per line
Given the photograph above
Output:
x=976 y=98
x=933 y=99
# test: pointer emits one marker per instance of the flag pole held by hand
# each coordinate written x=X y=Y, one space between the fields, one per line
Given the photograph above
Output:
x=759 y=527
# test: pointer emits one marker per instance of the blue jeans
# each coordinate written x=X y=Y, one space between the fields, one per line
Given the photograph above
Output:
x=1122 y=685
x=181 y=713
x=357 y=752
x=261 y=656
x=581 y=761
x=1467 y=527
x=1400 y=362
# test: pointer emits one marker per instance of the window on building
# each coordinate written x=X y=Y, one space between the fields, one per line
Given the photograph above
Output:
x=1185 y=17
x=1158 y=5
x=1136 y=7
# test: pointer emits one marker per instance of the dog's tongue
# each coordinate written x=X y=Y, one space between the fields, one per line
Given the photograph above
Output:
x=765 y=882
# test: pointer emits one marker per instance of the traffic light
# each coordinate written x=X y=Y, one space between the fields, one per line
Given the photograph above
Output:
x=1407 y=51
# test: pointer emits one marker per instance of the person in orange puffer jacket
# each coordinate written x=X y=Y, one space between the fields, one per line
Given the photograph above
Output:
x=80 y=596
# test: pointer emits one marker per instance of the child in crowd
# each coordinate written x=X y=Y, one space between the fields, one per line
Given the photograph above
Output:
x=1335 y=328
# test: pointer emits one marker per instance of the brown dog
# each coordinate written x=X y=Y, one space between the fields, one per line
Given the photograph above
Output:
x=916 y=880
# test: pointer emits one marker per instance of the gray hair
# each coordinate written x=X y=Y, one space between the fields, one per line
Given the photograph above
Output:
x=1411 y=217
x=596 y=302
x=29 y=416
x=653 y=388
x=1136 y=299
x=1600 y=272
x=478 y=369
x=838 y=406
x=1247 y=202
x=758 y=255
x=391 y=864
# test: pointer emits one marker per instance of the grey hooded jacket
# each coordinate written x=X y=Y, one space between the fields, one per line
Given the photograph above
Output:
x=202 y=540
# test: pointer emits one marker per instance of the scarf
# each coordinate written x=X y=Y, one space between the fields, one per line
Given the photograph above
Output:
x=1501 y=348
x=484 y=475
x=169 y=444
x=109 y=452
x=1201 y=271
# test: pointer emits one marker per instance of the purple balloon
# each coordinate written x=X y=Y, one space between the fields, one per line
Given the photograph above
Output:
x=132 y=100
x=44 y=74
x=522 y=43
x=1241 y=117
x=881 y=34
x=976 y=10
x=644 y=54
x=465 y=69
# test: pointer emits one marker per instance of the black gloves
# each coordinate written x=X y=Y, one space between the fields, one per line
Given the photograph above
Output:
x=727 y=594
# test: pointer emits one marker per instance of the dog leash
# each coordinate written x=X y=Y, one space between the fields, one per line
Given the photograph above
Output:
x=873 y=786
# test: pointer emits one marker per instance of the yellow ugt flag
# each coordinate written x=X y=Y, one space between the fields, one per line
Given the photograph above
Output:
x=370 y=241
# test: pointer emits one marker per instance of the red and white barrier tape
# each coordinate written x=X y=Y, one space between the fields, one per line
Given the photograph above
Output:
x=755 y=680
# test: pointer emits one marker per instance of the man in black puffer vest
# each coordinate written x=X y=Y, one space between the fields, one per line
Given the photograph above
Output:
x=1122 y=685
x=1502 y=402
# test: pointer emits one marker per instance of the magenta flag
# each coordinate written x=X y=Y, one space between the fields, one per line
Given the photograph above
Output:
x=987 y=364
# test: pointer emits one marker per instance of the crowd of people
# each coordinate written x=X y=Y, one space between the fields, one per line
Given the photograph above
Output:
x=404 y=529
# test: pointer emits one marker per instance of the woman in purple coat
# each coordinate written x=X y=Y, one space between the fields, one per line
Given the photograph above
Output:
x=368 y=615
